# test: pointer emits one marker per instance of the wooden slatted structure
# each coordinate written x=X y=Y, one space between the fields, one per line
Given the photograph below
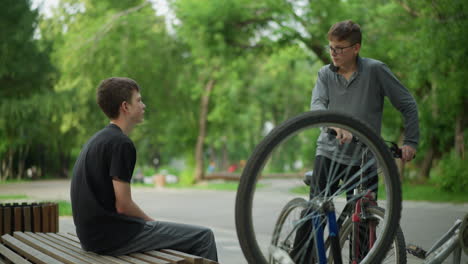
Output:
x=55 y=248
x=35 y=217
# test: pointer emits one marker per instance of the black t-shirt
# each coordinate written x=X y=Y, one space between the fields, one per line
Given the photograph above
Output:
x=108 y=154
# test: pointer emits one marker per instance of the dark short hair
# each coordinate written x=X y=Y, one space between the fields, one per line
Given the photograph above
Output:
x=345 y=30
x=112 y=92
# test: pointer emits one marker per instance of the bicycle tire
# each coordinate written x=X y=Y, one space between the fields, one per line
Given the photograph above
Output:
x=296 y=203
x=256 y=162
x=399 y=245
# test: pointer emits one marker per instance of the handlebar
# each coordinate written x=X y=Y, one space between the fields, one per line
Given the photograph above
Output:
x=394 y=149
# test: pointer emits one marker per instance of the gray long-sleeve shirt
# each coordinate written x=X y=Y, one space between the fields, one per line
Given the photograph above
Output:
x=362 y=96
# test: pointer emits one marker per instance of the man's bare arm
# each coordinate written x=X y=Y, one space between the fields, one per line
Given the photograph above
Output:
x=124 y=202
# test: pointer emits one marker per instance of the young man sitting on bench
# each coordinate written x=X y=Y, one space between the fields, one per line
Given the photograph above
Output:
x=107 y=219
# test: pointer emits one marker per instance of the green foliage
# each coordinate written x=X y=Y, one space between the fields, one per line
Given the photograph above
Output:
x=263 y=56
x=29 y=109
x=451 y=174
x=149 y=171
x=25 y=69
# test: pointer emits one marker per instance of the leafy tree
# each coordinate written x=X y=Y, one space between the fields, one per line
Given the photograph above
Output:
x=101 y=40
x=26 y=75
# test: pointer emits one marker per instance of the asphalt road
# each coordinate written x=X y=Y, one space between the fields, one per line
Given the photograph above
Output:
x=422 y=223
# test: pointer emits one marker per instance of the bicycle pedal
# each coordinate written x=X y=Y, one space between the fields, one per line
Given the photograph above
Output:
x=416 y=251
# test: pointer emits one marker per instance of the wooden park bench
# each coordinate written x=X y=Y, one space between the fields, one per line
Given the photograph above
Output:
x=52 y=248
x=34 y=217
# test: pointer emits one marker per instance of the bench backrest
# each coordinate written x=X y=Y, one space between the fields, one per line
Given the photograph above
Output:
x=35 y=217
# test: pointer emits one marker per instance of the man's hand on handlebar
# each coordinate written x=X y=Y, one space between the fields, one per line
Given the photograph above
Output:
x=407 y=153
x=342 y=135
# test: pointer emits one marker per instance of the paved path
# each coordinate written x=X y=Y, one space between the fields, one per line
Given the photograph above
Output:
x=422 y=222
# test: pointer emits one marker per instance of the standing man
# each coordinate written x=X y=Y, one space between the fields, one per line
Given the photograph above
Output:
x=356 y=86
x=107 y=219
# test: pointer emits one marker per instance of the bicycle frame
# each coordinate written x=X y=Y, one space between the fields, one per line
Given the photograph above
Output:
x=327 y=209
x=447 y=244
x=321 y=209
x=359 y=214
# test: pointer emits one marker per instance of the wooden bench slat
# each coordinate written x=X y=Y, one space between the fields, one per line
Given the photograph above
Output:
x=45 y=210
x=72 y=233
x=209 y=261
x=44 y=248
x=17 y=213
x=192 y=259
x=37 y=218
x=53 y=248
x=27 y=218
x=63 y=239
x=77 y=254
x=63 y=246
x=55 y=210
x=66 y=235
x=77 y=248
x=165 y=256
x=12 y=256
x=1 y=221
x=7 y=220
x=132 y=260
x=149 y=258
x=28 y=252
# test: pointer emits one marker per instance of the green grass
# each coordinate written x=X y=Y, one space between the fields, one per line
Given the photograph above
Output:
x=431 y=193
x=13 y=197
x=219 y=186
x=413 y=192
x=14 y=181
x=64 y=208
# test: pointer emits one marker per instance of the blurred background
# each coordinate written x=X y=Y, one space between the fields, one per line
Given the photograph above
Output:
x=217 y=76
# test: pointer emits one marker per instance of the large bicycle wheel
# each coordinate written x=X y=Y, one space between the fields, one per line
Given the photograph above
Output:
x=395 y=254
x=288 y=151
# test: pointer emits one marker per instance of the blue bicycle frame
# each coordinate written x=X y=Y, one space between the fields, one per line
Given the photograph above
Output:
x=329 y=211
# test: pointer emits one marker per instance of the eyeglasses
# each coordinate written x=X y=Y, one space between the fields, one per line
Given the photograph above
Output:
x=338 y=50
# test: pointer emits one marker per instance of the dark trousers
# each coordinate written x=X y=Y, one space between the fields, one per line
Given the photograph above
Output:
x=191 y=239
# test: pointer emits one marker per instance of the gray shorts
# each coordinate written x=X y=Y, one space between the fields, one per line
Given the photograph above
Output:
x=191 y=239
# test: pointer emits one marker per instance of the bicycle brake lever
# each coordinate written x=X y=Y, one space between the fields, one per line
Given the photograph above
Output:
x=396 y=151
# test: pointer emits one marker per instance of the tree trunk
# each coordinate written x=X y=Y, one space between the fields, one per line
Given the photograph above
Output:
x=427 y=164
x=3 y=170
x=459 y=138
x=21 y=161
x=11 y=154
x=199 y=160
x=7 y=165
x=225 y=163
x=64 y=164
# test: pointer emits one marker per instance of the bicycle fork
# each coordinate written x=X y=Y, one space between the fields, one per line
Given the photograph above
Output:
x=358 y=215
x=334 y=237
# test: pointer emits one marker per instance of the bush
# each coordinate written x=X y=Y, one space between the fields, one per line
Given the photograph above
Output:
x=451 y=173
x=149 y=171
